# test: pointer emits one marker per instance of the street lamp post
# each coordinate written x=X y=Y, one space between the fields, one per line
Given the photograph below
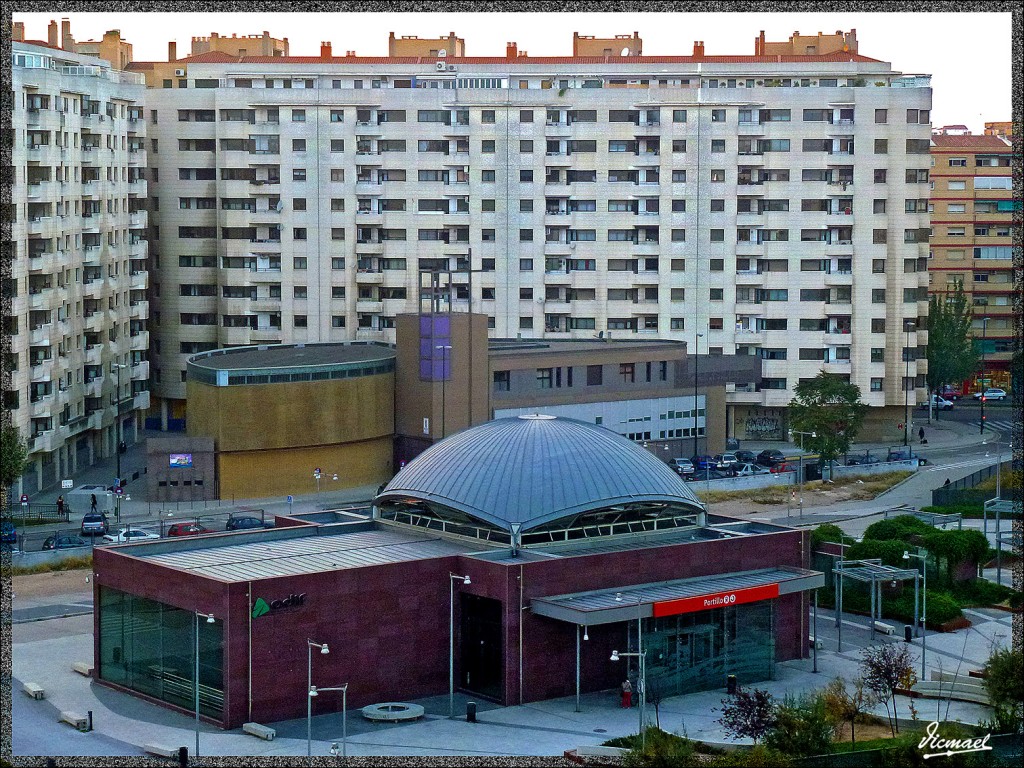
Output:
x=642 y=655
x=984 y=341
x=452 y=578
x=909 y=326
x=209 y=620
x=924 y=605
x=117 y=418
x=696 y=347
x=445 y=349
x=813 y=435
x=311 y=692
x=314 y=691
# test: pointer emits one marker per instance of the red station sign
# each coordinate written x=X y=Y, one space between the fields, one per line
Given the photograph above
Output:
x=716 y=600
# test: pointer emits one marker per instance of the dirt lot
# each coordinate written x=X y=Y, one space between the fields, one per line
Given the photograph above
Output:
x=50 y=584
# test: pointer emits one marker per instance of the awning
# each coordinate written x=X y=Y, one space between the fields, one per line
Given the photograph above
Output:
x=667 y=598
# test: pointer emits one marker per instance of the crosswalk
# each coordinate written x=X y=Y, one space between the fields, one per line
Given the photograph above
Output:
x=996 y=426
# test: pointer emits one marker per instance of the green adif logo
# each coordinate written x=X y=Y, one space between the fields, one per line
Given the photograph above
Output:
x=261 y=607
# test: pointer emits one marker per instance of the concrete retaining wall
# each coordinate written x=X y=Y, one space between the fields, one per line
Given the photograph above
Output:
x=745 y=483
x=30 y=559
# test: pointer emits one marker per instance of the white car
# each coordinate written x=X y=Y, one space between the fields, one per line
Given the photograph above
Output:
x=939 y=403
x=130 y=534
x=744 y=470
x=992 y=393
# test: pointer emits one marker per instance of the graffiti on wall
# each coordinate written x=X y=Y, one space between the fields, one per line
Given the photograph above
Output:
x=764 y=424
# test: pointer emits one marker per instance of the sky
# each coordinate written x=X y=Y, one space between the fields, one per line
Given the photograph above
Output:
x=938 y=44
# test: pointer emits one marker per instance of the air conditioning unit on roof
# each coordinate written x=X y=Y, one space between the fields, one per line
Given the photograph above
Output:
x=451 y=67
x=179 y=73
x=441 y=66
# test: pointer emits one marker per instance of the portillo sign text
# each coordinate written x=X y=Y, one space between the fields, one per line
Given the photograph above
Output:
x=716 y=600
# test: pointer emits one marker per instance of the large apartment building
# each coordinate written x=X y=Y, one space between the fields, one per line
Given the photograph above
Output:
x=773 y=205
x=971 y=244
x=76 y=373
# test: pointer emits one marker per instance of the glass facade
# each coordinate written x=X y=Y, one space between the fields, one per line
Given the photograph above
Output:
x=698 y=651
x=150 y=647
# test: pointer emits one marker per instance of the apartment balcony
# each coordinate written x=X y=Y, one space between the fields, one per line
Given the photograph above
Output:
x=93 y=387
x=263 y=304
x=42 y=190
x=553 y=130
x=257 y=335
x=749 y=307
x=368 y=187
x=139 y=310
x=371 y=334
x=140 y=370
x=236 y=305
x=139 y=341
x=95 y=320
x=262 y=275
x=751 y=158
x=93 y=354
x=41 y=335
x=368 y=277
x=369 y=306
x=45 y=442
x=841 y=128
x=42 y=407
x=241 y=335
x=265 y=187
x=236 y=219
x=838 y=188
x=837 y=366
x=749 y=277
x=750 y=129
x=94 y=288
x=556 y=248
x=646 y=247
x=41 y=298
x=140 y=402
x=369 y=248
x=742 y=395
x=138 y=187
x=558 y=160
x=749 y=336
x=839 y=277
x=138 y=281
x=456 y=130
x=266 y=216
x=369 y=218
x=137 y=219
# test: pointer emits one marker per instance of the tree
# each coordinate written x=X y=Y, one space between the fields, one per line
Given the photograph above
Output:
x=845 y=706
x=952 y=357
x=830 y=407
x=802 y=727
x=748 y=715
x=886 y=669
x=14 y=455
x=1004 y=681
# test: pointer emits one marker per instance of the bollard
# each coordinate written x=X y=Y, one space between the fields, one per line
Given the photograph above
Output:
x=907 y=630
x=183 y=757
x=90 y=719
x=470 y=711
x=730 y=685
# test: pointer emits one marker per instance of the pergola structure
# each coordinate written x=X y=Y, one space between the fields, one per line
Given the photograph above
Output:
x=874 y=573
x=932 y=518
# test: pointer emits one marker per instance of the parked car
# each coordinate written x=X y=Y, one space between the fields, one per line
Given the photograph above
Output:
x=992 y=393
x=245 y=522
x=95 y=524
x=867 y=458
x=702 y=463
x=939 y=403
x=8 y=533
x=746 y=457
x=770 y=457
x=781 y=467
x=724 y=460
x=683 y=466
x=187 y=529
x=64 y=541
x=747 y=468
x=130 y=534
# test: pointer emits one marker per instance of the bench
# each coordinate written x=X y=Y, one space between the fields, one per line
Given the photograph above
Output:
x=35 y=691
x=885 y=629
x=81 y=722
x=260 y=731
x=82 y=668
x=961 y=691
x=161 y=750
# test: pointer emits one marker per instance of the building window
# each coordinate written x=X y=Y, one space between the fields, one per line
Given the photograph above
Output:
x=525 y=176
x=595 y=375
x=487 y=146
x=545 y=378
x=526 y=116
x=881 y=116
x=487 y=116
x=300 y=321
x=337 y=321
x=486 y=176
x=717 y=115
x=526 y=145
x=876 y=384
x=526 y=265
x=678 y=115
x=881 y=146
x=298 y=115
x=525 y=235
x=880 y=175
x=525 y=205
x=628 y=372
x=878 y=295
x=502 y=381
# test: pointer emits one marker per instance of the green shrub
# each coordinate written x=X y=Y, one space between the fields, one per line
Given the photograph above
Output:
x=755 y=757
x=827 y=532
x=901 y=527
x=657 y=749
x=955 y=509
x=802 y=727
x=956 y=547
x=980 y=592
x=890 y=552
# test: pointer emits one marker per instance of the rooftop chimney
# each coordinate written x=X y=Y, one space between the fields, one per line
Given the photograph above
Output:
x=325 y=50
x=51 y=35
x=172 y=51
x=67 y=42
x=511 y=50
x=698 y=47
x=18 y=31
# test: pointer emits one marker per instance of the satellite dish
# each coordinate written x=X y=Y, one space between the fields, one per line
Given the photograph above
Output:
x=625 y=52
x=442 y=53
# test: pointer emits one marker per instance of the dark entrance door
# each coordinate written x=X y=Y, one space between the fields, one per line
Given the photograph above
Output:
x=481 y=652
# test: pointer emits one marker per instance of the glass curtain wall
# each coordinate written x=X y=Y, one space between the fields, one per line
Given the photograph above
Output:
x=698 y=651
x=149 y=647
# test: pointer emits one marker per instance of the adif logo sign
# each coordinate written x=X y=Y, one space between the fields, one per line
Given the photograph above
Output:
x=261 y=607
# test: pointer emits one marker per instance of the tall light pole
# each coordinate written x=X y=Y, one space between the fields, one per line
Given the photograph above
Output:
x=908 y=326
x=452 y=578
x=924 y=605
x=117 y=419
x=984 y=342
x=642 y=655
x=813 y=435
x=314 y=691
x=445 y=349
x=696 y=348
x=311 y=692
x=209 y=620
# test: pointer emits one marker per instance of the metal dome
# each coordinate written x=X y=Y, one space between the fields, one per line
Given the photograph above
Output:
x=532 y=470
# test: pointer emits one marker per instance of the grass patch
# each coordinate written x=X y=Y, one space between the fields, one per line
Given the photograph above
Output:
x=867 y=488
x=69 y=564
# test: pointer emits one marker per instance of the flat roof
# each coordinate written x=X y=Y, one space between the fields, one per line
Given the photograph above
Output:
x=306 y=549
x=608 y=606
x=267 y=356
x=497 y=347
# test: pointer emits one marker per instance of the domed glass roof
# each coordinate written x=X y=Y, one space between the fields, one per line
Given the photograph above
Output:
x=532 y=470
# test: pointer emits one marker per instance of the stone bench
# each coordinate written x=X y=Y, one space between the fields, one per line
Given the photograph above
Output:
x=961 y=691
x=392 y=712
x=35 y=691
x=81 y=722
x=260 y=731
x=82 y=668
x=885 y=629
x=161 y=750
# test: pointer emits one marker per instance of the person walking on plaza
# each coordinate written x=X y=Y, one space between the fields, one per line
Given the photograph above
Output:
x=93 y=507
x=920 y=434
x=60 y=507
x=627 y=694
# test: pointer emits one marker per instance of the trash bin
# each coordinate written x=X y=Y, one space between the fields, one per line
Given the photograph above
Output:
x=907 y=632
x=730 y=685
x=183 y=757
x=470 y=711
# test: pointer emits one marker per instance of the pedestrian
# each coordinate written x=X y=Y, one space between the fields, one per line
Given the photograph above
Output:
x=627 y=694
x=920 y=434
x=92 y=508
x=60 y=507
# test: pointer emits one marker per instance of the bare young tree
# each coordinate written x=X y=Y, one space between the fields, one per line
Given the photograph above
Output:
x=748 y=714
x=887 y=668
x=845 y=706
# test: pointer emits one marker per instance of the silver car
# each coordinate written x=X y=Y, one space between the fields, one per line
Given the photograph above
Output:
x=745 y=470
x=725 y=460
